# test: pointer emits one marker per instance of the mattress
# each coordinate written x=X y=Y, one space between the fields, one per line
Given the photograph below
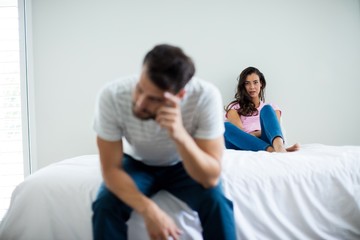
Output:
x=310 y=194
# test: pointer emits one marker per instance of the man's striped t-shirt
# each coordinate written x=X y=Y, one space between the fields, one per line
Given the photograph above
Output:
x=201 y=110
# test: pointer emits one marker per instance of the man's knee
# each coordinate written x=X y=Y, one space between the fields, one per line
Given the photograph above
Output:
x=215 y=196
x=106 y=201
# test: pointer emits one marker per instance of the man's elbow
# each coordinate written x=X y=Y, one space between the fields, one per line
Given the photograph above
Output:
x=210 y=183
x=211 y=180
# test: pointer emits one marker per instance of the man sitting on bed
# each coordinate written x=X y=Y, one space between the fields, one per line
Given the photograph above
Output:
x=174 y=125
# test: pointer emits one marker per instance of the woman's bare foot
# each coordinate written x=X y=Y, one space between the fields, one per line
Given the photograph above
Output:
x=270 y=149
x=293 y=148
x=278 y=145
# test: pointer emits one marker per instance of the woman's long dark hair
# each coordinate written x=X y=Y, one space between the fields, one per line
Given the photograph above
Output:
x=247 y=107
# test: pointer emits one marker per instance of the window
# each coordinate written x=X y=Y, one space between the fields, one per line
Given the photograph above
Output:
x=11 y=136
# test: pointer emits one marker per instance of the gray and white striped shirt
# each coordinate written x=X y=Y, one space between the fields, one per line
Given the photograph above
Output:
x=201 y=110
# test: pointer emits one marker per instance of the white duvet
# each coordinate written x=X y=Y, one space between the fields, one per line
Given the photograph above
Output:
x=310 y=194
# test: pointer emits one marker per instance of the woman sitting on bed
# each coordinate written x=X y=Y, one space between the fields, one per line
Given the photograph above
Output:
x=250 y=123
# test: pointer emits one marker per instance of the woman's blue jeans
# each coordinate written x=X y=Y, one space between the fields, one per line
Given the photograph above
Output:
x=237 y=139
x=215 y=211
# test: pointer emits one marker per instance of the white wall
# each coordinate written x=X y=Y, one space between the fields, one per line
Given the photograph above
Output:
x=308 y=50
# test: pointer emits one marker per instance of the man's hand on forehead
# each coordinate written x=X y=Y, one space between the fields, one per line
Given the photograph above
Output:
x=169 y=116
x=171 y=100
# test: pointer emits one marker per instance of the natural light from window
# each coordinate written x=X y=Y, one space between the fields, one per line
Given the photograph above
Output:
x=11 y=152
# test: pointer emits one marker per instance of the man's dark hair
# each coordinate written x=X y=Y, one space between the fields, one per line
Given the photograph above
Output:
x=168 y=67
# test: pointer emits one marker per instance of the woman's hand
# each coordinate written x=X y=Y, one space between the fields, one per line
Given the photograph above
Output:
x=256 y=133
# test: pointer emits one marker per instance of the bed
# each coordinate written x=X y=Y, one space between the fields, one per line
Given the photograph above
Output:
x=310 y=194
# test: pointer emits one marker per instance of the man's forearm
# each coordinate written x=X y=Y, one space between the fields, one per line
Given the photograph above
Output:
x=201 y=166
x=121 y=184
x=116 y=179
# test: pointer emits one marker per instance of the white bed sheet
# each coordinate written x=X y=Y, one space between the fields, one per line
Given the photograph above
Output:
x=310 y=194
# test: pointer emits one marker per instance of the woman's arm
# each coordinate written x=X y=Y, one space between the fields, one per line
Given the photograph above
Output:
x=278 y=115
x=234 y=118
